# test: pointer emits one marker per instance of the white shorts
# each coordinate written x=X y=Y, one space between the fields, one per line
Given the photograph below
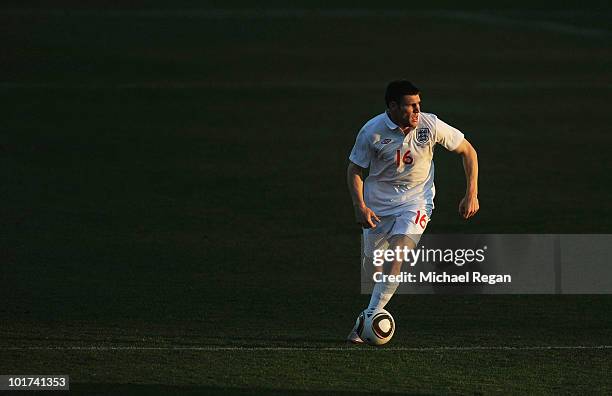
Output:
x=411 y=223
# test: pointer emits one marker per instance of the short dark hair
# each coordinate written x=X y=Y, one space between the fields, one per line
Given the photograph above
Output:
x=398 y=88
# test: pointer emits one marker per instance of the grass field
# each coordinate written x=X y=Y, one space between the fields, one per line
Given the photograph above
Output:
x=175 y=217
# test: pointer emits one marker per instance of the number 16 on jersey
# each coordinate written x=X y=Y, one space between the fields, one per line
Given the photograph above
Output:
x=421 y=219
x=406 y=158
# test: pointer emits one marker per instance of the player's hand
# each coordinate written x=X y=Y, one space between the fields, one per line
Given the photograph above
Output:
x=468 y=206
x=366 y=217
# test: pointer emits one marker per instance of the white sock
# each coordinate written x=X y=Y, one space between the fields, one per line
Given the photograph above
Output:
x=382 y=293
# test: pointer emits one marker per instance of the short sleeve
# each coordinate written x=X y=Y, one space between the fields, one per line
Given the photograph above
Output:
x=448 y=136
x=361 y=154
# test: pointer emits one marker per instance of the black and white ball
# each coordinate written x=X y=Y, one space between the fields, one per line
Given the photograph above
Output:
x=376 y=327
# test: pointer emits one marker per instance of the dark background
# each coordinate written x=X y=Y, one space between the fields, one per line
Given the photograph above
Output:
x=174 y=175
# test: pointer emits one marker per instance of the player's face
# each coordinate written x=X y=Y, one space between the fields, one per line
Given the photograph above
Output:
x=407 y=110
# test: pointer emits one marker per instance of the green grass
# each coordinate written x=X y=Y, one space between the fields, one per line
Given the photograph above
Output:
x=301 y=372
x=178 y=181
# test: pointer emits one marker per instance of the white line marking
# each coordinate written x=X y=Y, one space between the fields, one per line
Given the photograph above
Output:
x=307 y=349
x=511 y=19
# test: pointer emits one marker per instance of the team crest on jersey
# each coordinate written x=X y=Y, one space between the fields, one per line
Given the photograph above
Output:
x=386 y=141
x=422 y=135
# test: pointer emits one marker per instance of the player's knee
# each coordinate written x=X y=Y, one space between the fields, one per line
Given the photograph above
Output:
x=401 y=241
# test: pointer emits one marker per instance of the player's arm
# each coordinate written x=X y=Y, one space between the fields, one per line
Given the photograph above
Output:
x=469 y=204
x=363 y=215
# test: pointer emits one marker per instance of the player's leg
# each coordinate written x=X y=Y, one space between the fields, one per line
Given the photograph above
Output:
x=401 y=232
x=383 y=291
x=405 y=234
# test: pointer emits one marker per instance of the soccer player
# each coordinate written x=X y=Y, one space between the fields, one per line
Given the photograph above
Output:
x=395 y=202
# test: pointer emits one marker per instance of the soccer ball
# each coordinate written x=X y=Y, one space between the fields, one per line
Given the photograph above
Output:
x=375 y=327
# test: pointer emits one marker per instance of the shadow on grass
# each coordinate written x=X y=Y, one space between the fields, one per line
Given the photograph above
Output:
x=133 y=389
x=236 y=341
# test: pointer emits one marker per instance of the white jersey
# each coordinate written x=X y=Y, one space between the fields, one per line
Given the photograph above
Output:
x=401 y=167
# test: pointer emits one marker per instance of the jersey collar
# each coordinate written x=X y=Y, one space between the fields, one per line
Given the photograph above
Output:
x=393 y=126
x=390 y=124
